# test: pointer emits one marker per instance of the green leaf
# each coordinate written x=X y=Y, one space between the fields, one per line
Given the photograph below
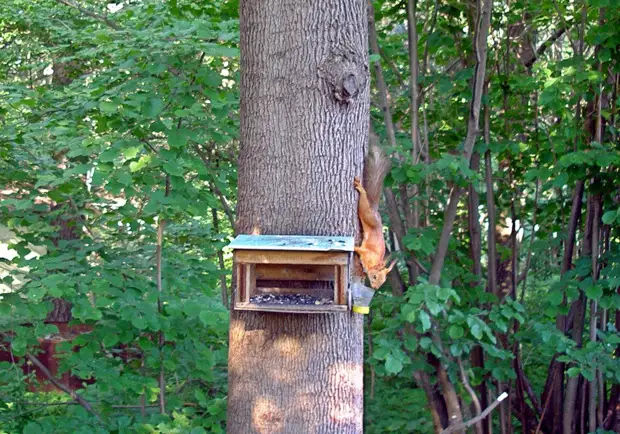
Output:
x=138 y=322
x=610 y=216
x=393 y=365
x=109 y=155
x=207 y=318
x=555 y=297
x=33 y=428
x=135 y=166
x=501 y=325
x=192 y=308
x=456 y=331
x=125 y=178
x=173 y=169
x=456 y=350
x=200 y=397
x=178 y=138
x=411 y=343
x=131 y=152
x=606 y=302
x=110 y=339
x=153 y=107
x=425 y=319
x=434 y=308
x=409 y=312
x=426 y=343
x=37 y=293
x=108 y=107
x=381 y=352
x=216 y=50
x=476 y=331
x=588 y=374
x=560 y=180
x=594 y=292
x=86 y=354
x=444 y=293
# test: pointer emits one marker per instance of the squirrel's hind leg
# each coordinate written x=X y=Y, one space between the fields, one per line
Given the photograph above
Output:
x=367 y=214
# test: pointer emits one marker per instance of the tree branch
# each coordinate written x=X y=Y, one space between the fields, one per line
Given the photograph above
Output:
x=429 y=32
x=566 y=26
x=35 y=361
x=161 y=341
x=480 y=46
x=414 y=72
x=543 y=47
x=396 y=222
x=225 y=205
x=81 y=218
x=528 y=259
x=214 y=189
x=220 y=258
x=447 y=70
x=392 y=66
x=470 y=390
x=88 y=13
x=446 y=234
x=47 y=404
x=478 y=418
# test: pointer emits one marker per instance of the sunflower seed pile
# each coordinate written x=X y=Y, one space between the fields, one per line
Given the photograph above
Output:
x=295 y=299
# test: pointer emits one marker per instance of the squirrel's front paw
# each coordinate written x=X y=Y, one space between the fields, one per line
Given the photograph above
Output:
x=356 y=182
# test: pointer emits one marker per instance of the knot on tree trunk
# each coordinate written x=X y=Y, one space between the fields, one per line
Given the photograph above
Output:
x=346 y=72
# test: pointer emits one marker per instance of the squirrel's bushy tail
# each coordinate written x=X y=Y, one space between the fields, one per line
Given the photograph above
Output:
x=376 y=166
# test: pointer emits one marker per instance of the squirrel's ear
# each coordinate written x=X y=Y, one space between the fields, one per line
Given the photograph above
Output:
x=391 y=266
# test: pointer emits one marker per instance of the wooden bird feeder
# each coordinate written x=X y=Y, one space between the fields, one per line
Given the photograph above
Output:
x=292 y=274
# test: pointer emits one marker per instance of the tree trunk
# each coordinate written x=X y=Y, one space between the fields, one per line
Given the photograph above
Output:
x=475 y=253
x=553 y=393
x=67 y=229
x=304 y=126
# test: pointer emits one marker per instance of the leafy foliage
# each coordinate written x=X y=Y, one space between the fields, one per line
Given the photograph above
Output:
x=550 y=68
x=118 y=122
x=106 y=132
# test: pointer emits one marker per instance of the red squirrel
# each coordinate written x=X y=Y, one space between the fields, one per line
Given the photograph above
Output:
x=372 y=249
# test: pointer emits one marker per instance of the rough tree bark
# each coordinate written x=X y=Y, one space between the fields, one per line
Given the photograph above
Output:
x=67 y=226
x=304 y=127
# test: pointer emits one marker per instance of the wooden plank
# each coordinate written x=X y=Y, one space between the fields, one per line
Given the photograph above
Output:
x=250 y=281
x=293 y=257
x=294 y=272
x=292 y=242
x=292 y=308
x=341 y=285
x=336 y=283
x=240 y=289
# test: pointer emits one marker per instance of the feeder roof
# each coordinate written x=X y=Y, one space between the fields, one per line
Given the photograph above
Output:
x=292 y=242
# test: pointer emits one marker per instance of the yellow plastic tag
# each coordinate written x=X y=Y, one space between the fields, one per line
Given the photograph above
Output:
x=364 y=310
